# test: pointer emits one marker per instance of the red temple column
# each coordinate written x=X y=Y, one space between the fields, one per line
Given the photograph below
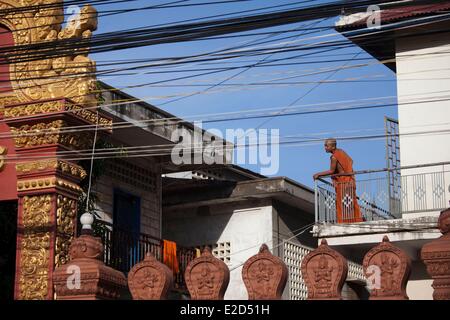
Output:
x=47 y=187
x=436 y=256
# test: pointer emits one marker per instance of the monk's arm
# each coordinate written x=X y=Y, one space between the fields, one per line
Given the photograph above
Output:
x=333 y=167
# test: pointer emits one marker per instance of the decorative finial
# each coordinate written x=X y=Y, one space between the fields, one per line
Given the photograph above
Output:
x=264 y=248
x=86 y=219
x=206 y=251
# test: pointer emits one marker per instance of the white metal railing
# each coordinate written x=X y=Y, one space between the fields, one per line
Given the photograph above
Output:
x=373 y=197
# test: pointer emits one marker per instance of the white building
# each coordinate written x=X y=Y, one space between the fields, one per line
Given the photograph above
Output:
x=235 y=211
x=413 y=40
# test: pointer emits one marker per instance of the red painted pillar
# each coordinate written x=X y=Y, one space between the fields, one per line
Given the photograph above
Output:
x=6 y=40
x=47 y=188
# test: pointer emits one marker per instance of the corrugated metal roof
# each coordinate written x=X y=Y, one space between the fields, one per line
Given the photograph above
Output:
x=397 y=14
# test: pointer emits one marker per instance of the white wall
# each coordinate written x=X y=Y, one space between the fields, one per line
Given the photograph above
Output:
x=245 y=228
x=423 y=73
x=420 y=290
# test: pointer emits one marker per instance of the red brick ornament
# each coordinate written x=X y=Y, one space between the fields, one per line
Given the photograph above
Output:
x=324 y=271
x=150 y=279
x=86 y=277
x=264 y=275
x=436 y=256
x=207 y=277
x=388 y=269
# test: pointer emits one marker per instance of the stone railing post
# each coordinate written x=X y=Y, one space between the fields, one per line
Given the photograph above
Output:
x=150 y=279
x=264 y=275
x=86 y=277
x=387 y=269
x=436 y=256
x=207 y=277
x=324 y=271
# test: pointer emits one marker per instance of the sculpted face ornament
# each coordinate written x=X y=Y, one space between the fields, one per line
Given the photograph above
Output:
x=3 y=152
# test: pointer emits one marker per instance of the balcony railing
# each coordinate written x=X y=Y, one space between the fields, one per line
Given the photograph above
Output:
x=123 y=249
x=379 y=196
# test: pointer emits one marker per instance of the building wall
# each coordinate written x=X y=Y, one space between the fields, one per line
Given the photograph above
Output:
x=244 y=226
x=423 y=73
x=292 y=230
x=143 y=181
x=420 y=290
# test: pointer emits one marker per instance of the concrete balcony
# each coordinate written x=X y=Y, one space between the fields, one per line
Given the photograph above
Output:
x=404 y=205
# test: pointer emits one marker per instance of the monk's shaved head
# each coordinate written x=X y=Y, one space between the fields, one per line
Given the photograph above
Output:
x=331 y=142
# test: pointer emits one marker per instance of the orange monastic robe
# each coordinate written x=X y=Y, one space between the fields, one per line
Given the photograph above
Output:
x=347 y=207
x=170 y=256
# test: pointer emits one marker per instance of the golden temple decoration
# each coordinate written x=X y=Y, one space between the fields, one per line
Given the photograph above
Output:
x=36 y=211
x=71 y=76
x=65 y=167
x=89 y=116
x=34 y=248
x=65 y=220
x=49 y=182
x=32 y=109
x=37 y=134
x=28 y=136
x=34 y=258
x=6 y=100
x=3 y=152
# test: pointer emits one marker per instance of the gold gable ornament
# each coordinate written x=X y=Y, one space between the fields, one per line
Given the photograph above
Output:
x=71 y=76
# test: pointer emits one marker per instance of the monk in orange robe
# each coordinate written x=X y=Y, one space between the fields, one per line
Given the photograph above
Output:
x=347 y=207
x=170 y=256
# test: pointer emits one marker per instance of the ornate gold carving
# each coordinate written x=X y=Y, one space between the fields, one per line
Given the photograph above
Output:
x=72 y=76
x=28 y=136
x=3 y=152
x=32 y=109
x=36 y=210
x=65 y=220
x=6 y=100
x=89 y=115
x=34 y=263
x=78 y=140
x=55 y=106
x=35 y=248
x=49 y=182
x=65 y=167
x=38 y=134
x=72 y=169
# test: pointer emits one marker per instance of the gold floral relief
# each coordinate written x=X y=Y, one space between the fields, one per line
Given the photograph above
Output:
x=35 y=247
x=72 y=76
x=28 y=136
x=65 y=167
x=34 y=263
x=32 y=109
x=65 y=218
x=36 y=211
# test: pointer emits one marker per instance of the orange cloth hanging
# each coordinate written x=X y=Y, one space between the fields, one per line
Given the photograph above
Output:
x=347 y=207
x=170 y=256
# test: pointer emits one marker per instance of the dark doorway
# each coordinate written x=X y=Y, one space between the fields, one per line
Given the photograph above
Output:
x=127 y=211
x=8 y=233
x=126 y=229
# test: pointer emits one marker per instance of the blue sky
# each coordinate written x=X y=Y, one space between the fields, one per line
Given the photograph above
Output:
x=297 y=162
